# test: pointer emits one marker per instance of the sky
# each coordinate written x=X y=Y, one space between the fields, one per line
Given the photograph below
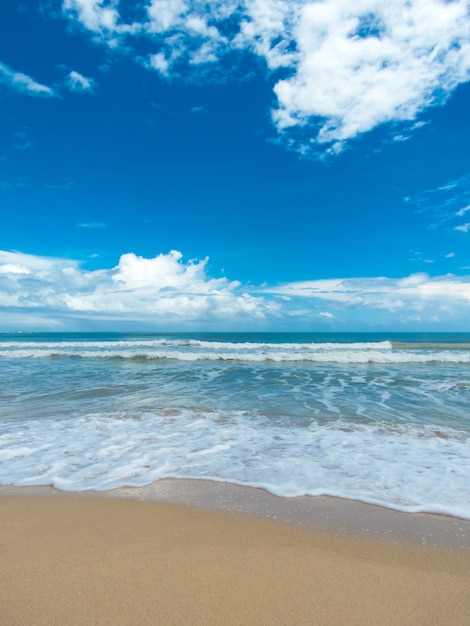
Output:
x=235 y=165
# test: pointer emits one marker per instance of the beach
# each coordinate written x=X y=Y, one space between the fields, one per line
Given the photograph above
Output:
x=82 y=559
x=258 y=478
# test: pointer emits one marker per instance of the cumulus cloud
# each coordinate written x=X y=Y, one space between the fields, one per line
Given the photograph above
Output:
x=160 y=63
x=22 y=83
x=76 y=82
x=159 y=290
x=95 y=15
x=166 y=291
x=101 y=17
x=360 y=64
x=342 y=68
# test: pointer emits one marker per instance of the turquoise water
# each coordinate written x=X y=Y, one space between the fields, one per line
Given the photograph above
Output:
x=382 y=418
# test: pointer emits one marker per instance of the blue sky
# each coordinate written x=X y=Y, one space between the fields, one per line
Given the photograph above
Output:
x=263 y=164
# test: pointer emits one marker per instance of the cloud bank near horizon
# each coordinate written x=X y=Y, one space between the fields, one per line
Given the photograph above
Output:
x=162 y=289
x=341 y=68
x=42 y=293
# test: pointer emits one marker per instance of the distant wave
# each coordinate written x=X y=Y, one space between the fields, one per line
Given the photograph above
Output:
x=200 y=350
x=195 y=343
x=401 y=345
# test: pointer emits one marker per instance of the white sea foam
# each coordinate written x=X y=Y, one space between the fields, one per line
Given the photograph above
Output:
x=407 y=467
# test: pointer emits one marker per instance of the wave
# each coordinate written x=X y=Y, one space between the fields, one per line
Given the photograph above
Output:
x=195 y=343
x=402 y=345
x=327 y=356
x=402 y=467
x=188 y=349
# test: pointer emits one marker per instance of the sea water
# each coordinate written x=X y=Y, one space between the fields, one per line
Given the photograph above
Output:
x=381 y=418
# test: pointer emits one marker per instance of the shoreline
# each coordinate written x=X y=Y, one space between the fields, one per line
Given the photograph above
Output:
x=325 y=514
x=86 y=559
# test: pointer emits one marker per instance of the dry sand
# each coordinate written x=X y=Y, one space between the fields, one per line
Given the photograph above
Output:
x=78 y=560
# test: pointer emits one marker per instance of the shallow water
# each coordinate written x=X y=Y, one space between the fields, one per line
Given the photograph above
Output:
x=378 y=418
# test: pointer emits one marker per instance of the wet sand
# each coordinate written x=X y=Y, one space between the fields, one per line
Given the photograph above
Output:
x=83 y=560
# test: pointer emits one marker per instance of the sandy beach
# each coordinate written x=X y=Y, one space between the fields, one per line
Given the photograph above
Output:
x=80 y=560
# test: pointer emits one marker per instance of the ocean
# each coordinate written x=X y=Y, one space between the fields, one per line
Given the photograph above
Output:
x=382 y=418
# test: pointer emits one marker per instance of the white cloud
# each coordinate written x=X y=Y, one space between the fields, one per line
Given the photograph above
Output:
x=32 y=263
x=464 y=227
x=384 y=300
x=462 y=212
x=159 y=290
x=100 y=17
x=364 y=63
x=160 y=63
x=23 y=83
x=76 y=82
x=380 y=291
x=166 y=14
x=347 y=66
x=91 y=225
x=188 y=34
x=60 y=187
x=10 y=268
x=95 y=15
x=166 y=291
